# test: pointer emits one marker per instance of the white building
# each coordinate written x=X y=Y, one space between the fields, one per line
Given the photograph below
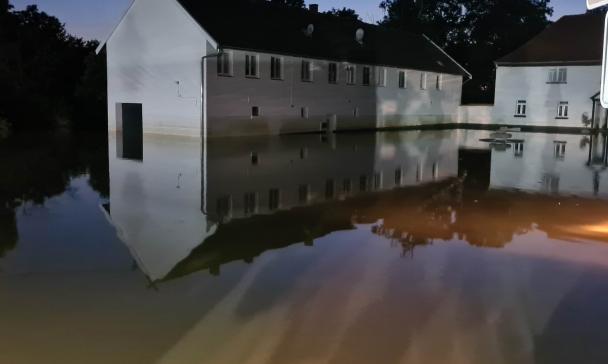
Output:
x=554 y=79
x=186 y=67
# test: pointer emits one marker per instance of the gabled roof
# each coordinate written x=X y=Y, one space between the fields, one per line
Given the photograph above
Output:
x=262 y=26
x=572 y=40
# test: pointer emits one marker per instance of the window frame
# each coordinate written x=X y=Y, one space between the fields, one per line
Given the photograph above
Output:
x=221 y=64
x=563 y=110
x=351 y=74
x=381 y=76
x=521 y=109
x=332 y=70
x=424 y=80
x=558 y=75
x=256 y=65
x=274 y=62
x=306 y=73
x=439 y=82
x=366 y=76
x=402 y=80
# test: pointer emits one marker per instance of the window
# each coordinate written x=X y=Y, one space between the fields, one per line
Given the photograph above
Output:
x=255 y=159
x=558 y=75
x=347 y=186
x=439 y=82
x=356 y=112
x=366 y=76
x=559 y=150
x=306 y=71
x=402 y=79
x=251 y=66
x=423 y=80
x=329 y=189
x=332 y=73
x=419 y=172
x=398 y=177
x=251 y=203
x=224 y=208
x=520 y=110
x=518 y=150
x=351 y=75
x=224 y=64
x=276 y=68
x=303 y=153
x=274 y=199
x=304 y=112
x=377 y=181
x=363 y=183
x=381 y=76
x=304 y=194
x=255 y=111
x=435 y=171
x=562 y=110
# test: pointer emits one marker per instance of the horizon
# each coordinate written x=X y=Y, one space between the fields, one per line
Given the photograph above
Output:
x=94 y=20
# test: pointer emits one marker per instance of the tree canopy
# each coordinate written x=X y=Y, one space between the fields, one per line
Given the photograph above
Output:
x=474 y=32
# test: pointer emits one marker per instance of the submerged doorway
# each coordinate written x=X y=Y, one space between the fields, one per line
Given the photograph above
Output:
x=130 y=122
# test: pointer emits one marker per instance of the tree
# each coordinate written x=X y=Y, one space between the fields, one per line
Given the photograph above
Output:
x=345 y=13
x=290 y=3
x=474 y=32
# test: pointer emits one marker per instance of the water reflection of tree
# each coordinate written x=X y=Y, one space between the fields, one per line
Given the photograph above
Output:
x=37 y=167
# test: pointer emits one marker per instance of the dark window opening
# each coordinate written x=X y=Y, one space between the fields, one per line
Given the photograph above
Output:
x=130 y=145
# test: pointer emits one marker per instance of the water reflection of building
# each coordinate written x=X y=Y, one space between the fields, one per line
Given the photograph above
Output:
x=183 y=209
x=215 y=67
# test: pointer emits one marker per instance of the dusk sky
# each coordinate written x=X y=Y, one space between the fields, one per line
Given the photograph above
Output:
x=95 y=19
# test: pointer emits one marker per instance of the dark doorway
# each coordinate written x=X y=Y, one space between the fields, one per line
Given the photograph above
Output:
x=130 y=145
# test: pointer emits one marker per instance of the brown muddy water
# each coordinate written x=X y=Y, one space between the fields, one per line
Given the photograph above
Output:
x=411 y=247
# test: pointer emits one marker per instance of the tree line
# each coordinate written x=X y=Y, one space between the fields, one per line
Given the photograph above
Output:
x=53 y=79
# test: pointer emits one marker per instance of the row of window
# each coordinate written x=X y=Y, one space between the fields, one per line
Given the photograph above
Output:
x=225 y=66
x=558 y=75
x=522 y=108
x=251 y=199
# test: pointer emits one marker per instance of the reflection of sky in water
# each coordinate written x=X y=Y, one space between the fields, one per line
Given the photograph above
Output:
x=409 y=274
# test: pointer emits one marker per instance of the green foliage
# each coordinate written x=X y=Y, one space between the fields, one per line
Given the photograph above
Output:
x=345 y=13
x=474 y=32
x=41 y=68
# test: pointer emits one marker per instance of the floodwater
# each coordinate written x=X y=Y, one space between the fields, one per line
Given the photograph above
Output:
x=411 y=247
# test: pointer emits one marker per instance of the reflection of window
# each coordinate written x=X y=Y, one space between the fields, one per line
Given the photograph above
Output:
x=520 y=110
x=274 y=199
x=306 y=71
x=251 y=203
x=351 y=72
x=378 y=181
x=419 y=172
x=255 y=158
x=381 y=76
x=304 y=193
x=347 y=186
x=518 y=149
x=333 y=73
x=439 y=82
x=303 y=153
x=435 y=170
x=255 y=111
x=398 y=177
x=356 y=112
x=224 y=64
x=329 y=189
x=304 y=112
x=363 y=183
x=402 y=79
x=251 y=65
x=559 y=150
x=366 y=76
x=276 y=68
x=423 y=80
x=558 y=75
x=550 y=183
x=224 y=208
x=562 y=110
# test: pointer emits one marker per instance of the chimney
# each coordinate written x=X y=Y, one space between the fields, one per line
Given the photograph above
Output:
x=313 y=8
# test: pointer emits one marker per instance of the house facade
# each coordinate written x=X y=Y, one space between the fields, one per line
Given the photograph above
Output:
x=185 y=67
x=553 y=80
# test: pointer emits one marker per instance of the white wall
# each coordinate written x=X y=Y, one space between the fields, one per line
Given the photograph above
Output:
x=530 y=84
x=156 y=45
x=475 y=114
x=280 y=102
x=157 y=204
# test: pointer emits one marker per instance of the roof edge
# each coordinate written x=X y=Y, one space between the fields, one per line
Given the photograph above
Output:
x=467 y=73
x=590 y=62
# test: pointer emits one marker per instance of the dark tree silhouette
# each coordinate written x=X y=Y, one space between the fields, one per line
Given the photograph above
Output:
x=475 y=32
x=345 y=13
x=291 y=3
